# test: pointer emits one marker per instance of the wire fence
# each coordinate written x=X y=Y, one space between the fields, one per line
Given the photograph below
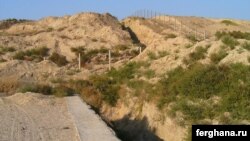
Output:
x=176 y=24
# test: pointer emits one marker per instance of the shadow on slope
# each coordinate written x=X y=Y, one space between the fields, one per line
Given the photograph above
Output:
x=134 y=130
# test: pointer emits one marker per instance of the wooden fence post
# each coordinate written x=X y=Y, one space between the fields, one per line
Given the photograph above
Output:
x=79 y=61
x=109 y=60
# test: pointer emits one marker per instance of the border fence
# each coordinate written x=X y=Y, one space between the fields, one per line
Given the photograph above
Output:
x=177 y=24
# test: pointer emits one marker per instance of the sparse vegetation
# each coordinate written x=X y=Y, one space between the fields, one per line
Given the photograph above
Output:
x=149 y=74
x=121 y=47
x=189 y=88
x=60 y=60
x=106 y=87
x=94 y=40
x=234 y=34
x=152 y=55
x=155 y=56
x=58 y=91
x=170 y=36
x=188 y=45
x=4 y=50
x=246 y=45
x=2 y=60
x=50 y=29
x=9 y=22
x=163 y=53
x=87 y=55
x=240 y=50
x=192 y=38
x=230 y=41
x=229 y=22
x=217 y=57
x=189 y=91
x=198 y=54
x=191 y=94
x=32 y=54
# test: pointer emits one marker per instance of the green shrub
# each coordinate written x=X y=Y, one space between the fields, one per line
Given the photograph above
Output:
x=240 y=35
x=229 y=22
x=107 y=87
x=186 y=88
x=2 y=60
x=220 y=34
x=152 y=55
x=191 y=112
x=192 y=38
x=89 y=55
x=217 y=57
x=149 y=73
x=198 y=54
x=43 y=89
x=199 y=81
x=188 y=45
x=78 y=50
x=94 y=40
x=59 y=91
x=170 y=36
x=50 y=29
x=121 y=47
x=125 y=73
x=62 y=91
x=60 y=60
x=155 y=56
x=162 y=54
x=234 y=34
x=86 y=56
x=6 y=49
x=87 y=92
x=240 y=50
x=246 y=46
x=9 y=22
x=103 y=50
x=230 y=41
x=32 y=54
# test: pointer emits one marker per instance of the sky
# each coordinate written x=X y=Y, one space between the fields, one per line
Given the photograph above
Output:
x=37 y=9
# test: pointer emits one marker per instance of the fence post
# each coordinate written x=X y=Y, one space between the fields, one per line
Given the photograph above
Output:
x=140 y=49
x=180 y=26
x=205 y=35
x=79 y=61
x=175 y=28
x=109 y=60
x=195 y=34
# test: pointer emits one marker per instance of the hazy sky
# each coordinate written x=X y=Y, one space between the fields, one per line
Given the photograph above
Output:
x=36 y=9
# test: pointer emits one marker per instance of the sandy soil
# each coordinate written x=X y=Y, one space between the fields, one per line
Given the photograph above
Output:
x=34 y=117
x=89 y=125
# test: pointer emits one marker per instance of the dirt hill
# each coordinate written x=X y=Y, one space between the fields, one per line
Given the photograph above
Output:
x=90 y=30
x=166 y=42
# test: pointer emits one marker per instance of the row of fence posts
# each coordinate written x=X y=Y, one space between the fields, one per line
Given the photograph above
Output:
x=109 y=54
x=155 y=15
x=149 y=14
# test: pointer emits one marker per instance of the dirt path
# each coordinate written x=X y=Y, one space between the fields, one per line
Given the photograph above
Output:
x=17 y=125
x=34 y=117
x=89 y=125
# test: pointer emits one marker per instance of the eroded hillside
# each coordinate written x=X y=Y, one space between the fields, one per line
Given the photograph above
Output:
x=185 y=62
